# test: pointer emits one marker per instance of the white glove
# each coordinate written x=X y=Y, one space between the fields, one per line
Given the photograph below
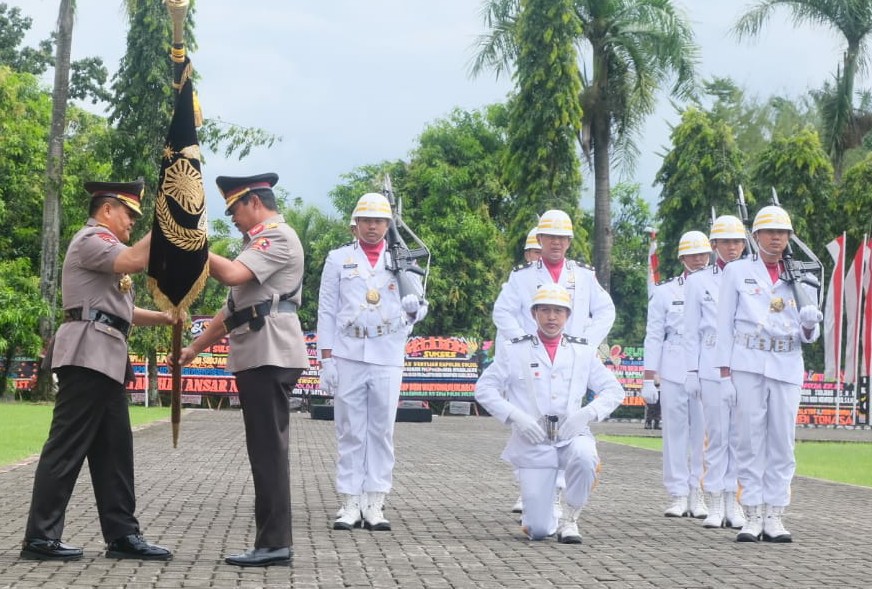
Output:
x=728 y=391
x=329 y=376
x=527 y=427
x=810 y=316
x=691 y=384
x=649 y=392
x=411 y=304
x=577 y=423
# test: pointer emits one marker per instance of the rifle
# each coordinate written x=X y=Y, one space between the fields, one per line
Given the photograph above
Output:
x=403 y=259
x=743 y=215
x=800 y=272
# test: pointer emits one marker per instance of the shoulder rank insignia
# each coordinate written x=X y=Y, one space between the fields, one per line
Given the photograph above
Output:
x=522 y=266
x=574 y=340
x=272 y=225
x=256 y=229
x=347 y=244
x=585 y=265
x=667 y=281
x=522 y=338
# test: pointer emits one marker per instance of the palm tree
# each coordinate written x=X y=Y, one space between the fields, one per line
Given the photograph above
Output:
x=632 y=49
x=54 y=171
x=851 y=18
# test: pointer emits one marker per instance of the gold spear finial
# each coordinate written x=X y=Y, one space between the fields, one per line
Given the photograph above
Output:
x=178 y=10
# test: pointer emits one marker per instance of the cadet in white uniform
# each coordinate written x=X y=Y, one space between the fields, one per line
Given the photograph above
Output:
x=532 y=247
x=703 y=377
x=593 y=311
x=683 y=426
x=537 y=384
x=362 y=329
x=760 y=331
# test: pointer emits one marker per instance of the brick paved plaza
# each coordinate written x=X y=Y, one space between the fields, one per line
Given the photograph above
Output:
x=450 y=514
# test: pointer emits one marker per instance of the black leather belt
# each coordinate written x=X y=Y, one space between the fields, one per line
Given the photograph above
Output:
x=98 y=316
x=255 y=314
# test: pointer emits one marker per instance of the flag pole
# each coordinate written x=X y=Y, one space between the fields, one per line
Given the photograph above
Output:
x=178 y=10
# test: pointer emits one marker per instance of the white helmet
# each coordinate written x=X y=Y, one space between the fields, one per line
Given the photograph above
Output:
x=772 y=217
x=552 y=294
x=372 y=205
x=555 y=222
x=532 y=241
x=693 y=242
x=352 y=222
x=727 y=227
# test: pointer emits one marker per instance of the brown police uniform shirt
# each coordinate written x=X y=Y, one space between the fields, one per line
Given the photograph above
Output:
x=89 y=282
x=274 y=254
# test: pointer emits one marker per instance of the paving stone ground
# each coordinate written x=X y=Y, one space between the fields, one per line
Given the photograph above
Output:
x=450 y=514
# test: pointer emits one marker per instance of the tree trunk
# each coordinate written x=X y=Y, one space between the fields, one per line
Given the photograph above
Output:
x=602 y=211
x=152 y=392
x=48 y=267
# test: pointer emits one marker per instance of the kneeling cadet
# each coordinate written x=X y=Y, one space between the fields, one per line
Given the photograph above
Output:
x=537 y=385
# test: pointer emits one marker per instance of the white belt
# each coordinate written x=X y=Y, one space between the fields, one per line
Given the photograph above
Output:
x=767 y=344
x=362 y=331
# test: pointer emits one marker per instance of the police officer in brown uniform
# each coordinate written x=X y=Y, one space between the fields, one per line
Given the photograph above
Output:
x=89 y=356
x=267 y=350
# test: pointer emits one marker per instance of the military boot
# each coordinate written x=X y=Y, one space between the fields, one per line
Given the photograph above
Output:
x=753 y=524
x=373 y=514
x=715 y=517
x=733 y=515
x=773 y=528
x=348 y=517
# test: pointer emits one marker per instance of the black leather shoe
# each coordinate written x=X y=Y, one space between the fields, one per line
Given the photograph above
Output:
x=261 y=557
x=43 y=549
x=135 y=546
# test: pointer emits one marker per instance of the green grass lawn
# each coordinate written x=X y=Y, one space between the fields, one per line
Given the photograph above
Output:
x=844 y=462
x=24 y=427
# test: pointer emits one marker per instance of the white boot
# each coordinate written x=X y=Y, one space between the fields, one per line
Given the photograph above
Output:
x=567 y=529
x=348 y=517
x=696 y=505
x=753 y=524
x=678 y=507
x=518 y=507
x=715 y=517
x=373 y=515
x=773 y=529
x=733 y=515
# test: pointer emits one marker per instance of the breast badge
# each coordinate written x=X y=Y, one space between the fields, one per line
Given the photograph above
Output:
x=125 y=283
x=776 y=305
x=373 y=296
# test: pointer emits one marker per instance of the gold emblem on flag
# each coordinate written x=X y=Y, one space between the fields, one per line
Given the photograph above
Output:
x=776 y=305
x=372 y=296
x=125 y=283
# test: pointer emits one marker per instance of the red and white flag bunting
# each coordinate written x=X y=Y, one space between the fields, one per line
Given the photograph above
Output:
x=834 y=310
x=653 y=262
x=855 y=279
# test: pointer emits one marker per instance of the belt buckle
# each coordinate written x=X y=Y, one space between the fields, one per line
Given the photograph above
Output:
x=781 y=345
x=761 y=343
x=380 y=330
x=358 y=332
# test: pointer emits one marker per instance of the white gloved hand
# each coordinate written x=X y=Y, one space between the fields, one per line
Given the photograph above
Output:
x=411 y=304
x=691 y=384
x=728 y=390
x=527 y=427
x=810 y=316
x=649 y=392
x=329 y=376
x=577 y=423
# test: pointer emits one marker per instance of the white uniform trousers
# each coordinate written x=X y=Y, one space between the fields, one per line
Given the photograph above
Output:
x=579 y=460
x=767 y=432
x=722 y=439
x=364 y=412
x=683 y=438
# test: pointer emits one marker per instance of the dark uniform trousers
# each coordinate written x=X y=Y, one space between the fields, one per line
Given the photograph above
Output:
x=263 y=395
x=91 y=419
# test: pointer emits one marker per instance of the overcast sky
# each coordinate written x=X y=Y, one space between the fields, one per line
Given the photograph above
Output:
x=347 y=83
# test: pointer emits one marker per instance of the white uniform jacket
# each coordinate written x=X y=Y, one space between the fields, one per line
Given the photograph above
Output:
x=525 y=378
x=593 y=311
x=758 y=323
x=360 y=316
x=664 y=353
x=700 y=321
